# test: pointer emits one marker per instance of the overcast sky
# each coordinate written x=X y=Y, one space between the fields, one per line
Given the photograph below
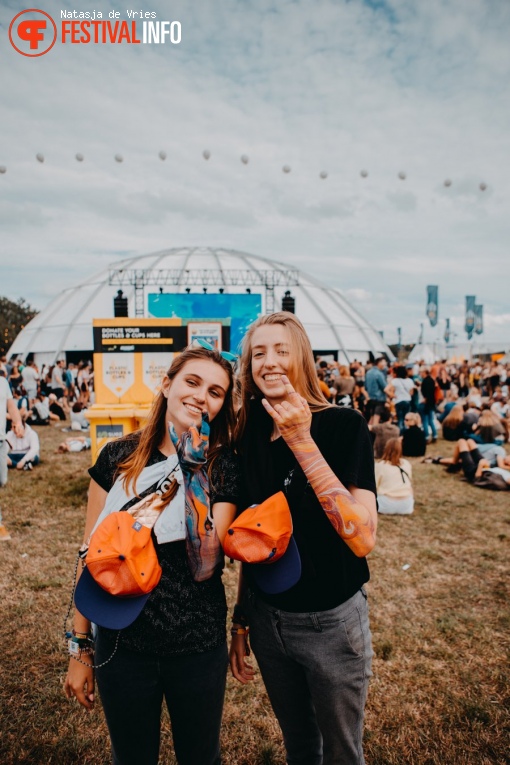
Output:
x=338 y=86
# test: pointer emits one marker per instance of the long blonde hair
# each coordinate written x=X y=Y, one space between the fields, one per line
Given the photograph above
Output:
x=154 y=430
x=302 y=371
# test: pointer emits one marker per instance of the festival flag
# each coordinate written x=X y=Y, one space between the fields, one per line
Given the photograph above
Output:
x=447 y=332
x=478 y=319
x=432 y=303
x=469 y=324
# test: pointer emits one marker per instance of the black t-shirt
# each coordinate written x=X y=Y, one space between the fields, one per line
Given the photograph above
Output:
x=181 y=616
x=414 y=443
x=331 y=573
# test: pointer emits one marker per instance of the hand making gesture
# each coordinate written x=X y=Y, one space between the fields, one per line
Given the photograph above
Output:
x=292 y=416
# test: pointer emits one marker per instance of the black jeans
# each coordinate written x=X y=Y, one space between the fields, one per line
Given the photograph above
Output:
x=132 y=688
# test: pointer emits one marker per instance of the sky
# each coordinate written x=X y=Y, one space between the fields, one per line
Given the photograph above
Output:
x=320 y=86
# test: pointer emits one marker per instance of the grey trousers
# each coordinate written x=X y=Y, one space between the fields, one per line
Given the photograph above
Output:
x=316 y=668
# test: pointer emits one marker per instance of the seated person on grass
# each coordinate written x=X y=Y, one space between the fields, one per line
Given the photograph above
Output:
x=453 y=425
x=414 y=443
x=23 y=451
x=383 y=431
x=56 y=408
x=393 y=477
x=488 y=430
x=78 y=419
x=21 y=399
x=40 y=414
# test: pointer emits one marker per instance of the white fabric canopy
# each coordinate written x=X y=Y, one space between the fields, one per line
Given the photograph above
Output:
x=332 y=323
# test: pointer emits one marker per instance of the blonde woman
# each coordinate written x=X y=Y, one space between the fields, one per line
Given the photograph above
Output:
x=311 y=636
x=393 y=476
x=414 y=443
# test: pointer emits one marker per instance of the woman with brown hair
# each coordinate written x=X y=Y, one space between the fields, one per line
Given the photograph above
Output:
x=453 y=425
x=175 y=649
x=488 y=429
x=393 y=476
x=310 y=632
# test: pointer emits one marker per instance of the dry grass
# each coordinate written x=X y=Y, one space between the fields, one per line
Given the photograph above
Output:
x=439 y=695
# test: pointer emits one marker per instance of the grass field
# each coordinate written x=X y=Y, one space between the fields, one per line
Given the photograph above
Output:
x=440 y=690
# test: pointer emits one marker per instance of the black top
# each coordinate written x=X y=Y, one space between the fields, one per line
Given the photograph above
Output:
x=414 y=443
x=331 y=573
x=181 y=616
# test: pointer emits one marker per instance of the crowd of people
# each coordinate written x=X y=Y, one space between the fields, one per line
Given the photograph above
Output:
x=54 y=393
x=409 y=406
x=30 y=398
x=225 y=435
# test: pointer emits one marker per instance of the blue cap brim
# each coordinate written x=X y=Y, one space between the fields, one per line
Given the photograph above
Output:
x=281 y=575
x=111 y=611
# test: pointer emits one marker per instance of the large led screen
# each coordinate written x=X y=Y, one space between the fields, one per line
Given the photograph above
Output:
x=241 y=308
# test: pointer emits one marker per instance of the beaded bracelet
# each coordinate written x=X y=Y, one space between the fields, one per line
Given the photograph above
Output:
x=77 y=639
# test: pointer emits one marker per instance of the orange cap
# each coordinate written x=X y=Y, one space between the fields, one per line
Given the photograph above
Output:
x=261 y=533
x=121 y=556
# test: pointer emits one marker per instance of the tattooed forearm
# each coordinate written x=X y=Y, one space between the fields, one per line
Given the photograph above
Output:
x=352 y=521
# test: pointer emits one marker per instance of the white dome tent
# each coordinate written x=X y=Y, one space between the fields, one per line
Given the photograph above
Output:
x=65 y=325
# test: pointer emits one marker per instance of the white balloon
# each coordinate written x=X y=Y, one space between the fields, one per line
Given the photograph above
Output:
x=286 y=169
x=3 y=169
x=80 y=157
x=39 y=157
x=206 y=154
x=448 y=182
x=162 y=155
x=402 y=175
x=119 y=158
x=364 y=173
x=323 y=174
x=483 y=186
x=244 y=159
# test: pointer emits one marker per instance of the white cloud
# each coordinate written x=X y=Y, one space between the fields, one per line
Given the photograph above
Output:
x=400 y=85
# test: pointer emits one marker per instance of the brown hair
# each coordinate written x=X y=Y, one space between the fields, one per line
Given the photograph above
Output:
x=454 y=417
x=154 y=430
x=302 y=371
x=393 y=451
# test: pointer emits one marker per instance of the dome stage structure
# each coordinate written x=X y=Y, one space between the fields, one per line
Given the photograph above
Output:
x=64 y=327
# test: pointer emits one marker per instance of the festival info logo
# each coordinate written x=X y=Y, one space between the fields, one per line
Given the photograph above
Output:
x=33 y=32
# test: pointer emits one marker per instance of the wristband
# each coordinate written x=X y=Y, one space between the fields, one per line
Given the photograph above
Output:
x=239 y=631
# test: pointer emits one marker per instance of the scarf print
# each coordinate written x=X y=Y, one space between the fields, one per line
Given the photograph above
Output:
x=202 y=544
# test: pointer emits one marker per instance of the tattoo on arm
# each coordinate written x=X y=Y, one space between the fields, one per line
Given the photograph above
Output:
x=352 y=521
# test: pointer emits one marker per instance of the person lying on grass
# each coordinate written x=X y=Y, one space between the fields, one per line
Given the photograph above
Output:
x=468 y=458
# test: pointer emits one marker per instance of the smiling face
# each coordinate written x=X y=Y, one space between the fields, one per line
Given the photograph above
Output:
x=271 y=357
x=200 y=386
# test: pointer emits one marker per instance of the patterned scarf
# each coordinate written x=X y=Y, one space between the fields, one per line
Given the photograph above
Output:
x=202 y=544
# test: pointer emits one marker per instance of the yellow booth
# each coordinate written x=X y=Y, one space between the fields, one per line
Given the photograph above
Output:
x=131 y=357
